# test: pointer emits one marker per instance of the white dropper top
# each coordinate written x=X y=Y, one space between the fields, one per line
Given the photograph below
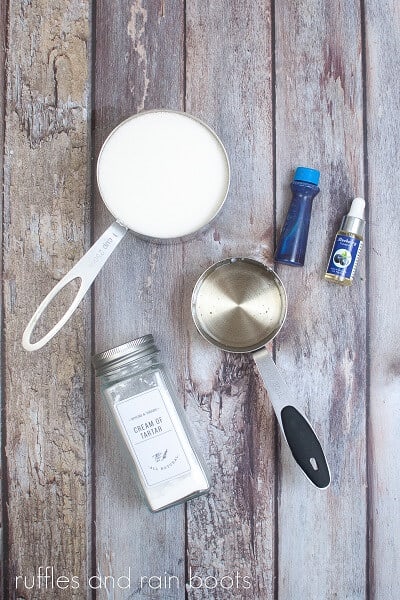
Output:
x=357 y=209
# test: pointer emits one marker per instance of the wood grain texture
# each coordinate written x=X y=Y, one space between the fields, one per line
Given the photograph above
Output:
x=139 y=62
x=282 y=84
x=321 y=350
x=45 y=215
x=3 y=35
x=229 y=86
x=383 y=135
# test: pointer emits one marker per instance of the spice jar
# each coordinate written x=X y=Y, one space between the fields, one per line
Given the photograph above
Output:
x=152 y=423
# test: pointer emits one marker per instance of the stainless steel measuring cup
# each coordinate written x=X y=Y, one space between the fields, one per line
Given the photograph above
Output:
x=162 y=174
x=239 y=305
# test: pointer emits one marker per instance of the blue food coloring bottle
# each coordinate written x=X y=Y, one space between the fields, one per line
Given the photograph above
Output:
x=292 y=244
x=347 y=245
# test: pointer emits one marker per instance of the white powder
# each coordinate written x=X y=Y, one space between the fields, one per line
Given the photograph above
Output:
x=146 y=397
x=163 y=174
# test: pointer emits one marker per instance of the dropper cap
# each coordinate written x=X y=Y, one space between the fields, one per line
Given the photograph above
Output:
x=357 y=208
x=354 y=221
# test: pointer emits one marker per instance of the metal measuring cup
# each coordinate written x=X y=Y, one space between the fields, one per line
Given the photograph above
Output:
x=239 y=305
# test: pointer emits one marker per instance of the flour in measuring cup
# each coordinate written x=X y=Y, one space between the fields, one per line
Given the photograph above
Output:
x=163 y=174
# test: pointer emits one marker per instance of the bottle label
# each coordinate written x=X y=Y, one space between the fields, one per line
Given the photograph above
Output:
x=149 y=431
x=344 y=256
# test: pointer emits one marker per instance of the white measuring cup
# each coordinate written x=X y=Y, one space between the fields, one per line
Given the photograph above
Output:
x=163 y=175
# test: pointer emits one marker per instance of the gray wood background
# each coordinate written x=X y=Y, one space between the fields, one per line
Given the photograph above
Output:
x=296 y=82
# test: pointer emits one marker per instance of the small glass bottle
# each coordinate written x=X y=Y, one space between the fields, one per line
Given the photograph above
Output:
x=291 y=248
x=347 y=245
x=152 y=423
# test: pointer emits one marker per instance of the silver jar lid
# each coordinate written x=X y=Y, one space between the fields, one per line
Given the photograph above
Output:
x=116 y=357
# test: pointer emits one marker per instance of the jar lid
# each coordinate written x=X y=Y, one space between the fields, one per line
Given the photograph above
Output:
x=132 y=350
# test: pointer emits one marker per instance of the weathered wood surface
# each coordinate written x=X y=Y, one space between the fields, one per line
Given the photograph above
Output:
x=3 y=22
x=383 y=138
x=282 y=84
x=322 y=348
x=232 y=531
x=139 y=64
x=46 y=471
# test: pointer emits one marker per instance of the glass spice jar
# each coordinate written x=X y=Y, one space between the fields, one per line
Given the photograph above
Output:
x=152 y=423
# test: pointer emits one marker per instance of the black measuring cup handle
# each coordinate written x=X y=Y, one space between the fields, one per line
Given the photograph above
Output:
x=300 y=436
x=305 y=446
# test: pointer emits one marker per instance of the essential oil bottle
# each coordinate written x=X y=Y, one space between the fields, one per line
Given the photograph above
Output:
x=347 y=245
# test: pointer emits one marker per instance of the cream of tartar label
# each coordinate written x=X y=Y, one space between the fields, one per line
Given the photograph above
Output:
x=151 y=436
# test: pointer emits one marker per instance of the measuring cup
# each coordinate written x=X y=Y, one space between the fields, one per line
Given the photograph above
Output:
x=239 y=305
x=162 y=174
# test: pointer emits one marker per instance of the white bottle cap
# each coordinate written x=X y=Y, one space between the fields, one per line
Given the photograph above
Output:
x=357 y=209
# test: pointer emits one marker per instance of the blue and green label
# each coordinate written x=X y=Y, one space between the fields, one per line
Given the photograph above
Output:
x=344 y=256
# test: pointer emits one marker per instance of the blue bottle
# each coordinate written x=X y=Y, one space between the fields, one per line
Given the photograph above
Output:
x=292 y=244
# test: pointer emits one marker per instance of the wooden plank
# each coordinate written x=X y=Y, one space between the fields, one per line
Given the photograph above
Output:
x=45 y=218
x=47 y=492
x=139 y=65
x=3 y=34
x=382 y=23
x=322 y=349
x=229 y=86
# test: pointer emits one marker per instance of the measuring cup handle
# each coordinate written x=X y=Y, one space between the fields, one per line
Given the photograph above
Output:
x=86 y=270
x=302 y=440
